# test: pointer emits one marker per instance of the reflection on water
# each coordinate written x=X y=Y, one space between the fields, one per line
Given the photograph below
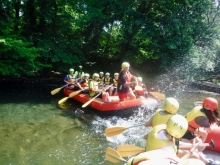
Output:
x=34 y=130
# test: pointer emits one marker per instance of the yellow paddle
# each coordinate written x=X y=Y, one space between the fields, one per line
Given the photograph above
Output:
x=88 y=102
x=129 y=150
x=53 y=92
x=117 y=130
x=70 y=96
x=158 y=95
x=113 y=156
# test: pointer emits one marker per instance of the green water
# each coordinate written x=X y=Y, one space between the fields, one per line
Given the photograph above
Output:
x=35 y=130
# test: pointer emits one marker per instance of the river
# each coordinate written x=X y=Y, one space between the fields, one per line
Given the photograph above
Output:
x=35 y=130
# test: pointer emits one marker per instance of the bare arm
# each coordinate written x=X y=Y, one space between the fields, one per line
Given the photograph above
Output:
x=149 y=122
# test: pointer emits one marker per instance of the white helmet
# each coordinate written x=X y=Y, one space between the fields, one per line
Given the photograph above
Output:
x=124 y=65
x=139 y=79
x=177 y=126
x=107 y=74
x=171 y=105
x=101 y=73
x=71 y=70
x=86 y=75
x=95 y=75
x=116 y=74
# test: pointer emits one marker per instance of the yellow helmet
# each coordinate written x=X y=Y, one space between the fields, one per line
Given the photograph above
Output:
x=177 y=126
x=139 y=79
x=171 y=105
x=71 y=70
x=107 y=74
x=124 y=65
x=95 y=75
x=116 y=74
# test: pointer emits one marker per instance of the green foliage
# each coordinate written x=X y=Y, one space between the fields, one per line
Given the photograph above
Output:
x=60 y=34
x=17 y=57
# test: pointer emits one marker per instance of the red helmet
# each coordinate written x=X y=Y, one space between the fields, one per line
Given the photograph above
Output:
x=210 y=103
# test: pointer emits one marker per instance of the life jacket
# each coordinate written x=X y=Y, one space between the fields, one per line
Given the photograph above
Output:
x=159 y=118
x=71 y=78
x=79 y=74
x=191 y=116
x=140 y=92
x=100 y=79
x=93 y=86
x=115 y=82
x=107 y=81
x=85 y=83
x=153 y=142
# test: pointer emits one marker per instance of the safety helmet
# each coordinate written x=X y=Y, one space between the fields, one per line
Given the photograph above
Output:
x=101 y=73
x=139 y=79
x=177 y=126
x=171 y=105
x=210 y=103
x=71 y=70
x=124 y=65
x=86 y=75
x=116 y=74
x=107 y=74
x=80 y=66
x=95 y=75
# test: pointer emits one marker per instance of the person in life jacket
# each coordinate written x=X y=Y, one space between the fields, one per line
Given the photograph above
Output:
x=125 y=82
x=162 y=137
x=101 y=77
x=94 y=86
x=161 y=116
x=79 y=74
x=69 y=79
x=113 y=89
x=85 y=81
x=142 y=90
x=200 y=118
x=107 y=79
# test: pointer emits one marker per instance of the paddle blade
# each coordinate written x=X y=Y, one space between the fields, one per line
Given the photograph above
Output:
x=53 y=92
x=114 y=130
x=129 y=150
x=113 y=156
x=72 y=94
x=63 y=100
x=158 y=95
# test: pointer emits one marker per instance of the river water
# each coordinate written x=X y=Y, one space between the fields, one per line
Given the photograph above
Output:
x=35 y=130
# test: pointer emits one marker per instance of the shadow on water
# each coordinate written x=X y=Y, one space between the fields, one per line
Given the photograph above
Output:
x=35 y=130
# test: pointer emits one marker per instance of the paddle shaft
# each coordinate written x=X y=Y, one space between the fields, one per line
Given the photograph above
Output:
x=87 y=103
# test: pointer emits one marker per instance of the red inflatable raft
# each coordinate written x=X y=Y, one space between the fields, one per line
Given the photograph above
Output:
x=215 y=136
x=114 y=106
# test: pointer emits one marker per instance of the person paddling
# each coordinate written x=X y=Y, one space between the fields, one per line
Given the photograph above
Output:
x=70 y=79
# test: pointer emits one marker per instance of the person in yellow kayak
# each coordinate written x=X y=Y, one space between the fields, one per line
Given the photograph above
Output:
x=161 y=116
x=70 y=79
x=125 y=82
x=162 y=138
